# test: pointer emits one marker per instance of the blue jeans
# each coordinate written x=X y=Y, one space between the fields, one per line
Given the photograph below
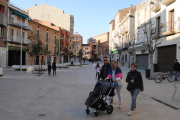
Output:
x=134 y=94
x=176 y=74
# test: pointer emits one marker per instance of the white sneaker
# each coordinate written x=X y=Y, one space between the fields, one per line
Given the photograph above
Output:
x=130 y=113
x=134 y=109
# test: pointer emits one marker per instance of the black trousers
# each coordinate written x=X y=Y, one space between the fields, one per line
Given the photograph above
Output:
x=97 y=74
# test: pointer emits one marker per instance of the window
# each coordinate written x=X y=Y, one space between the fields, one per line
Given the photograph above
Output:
x=71 y=23
x=158 y=25
x=94 y=46
x=47 y=36
x=2 y=8
x=71 y=31
x=138 y=20
x=171 y=21
x=38 y=36
x=46 y=46
x=1 y=32
x=86 y=48
x=69 y=47
x=55 y=39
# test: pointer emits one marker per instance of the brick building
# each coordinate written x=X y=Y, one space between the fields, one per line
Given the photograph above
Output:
x=78 y=40
x=103 y=45
x=3 y=31
x=49 y=34
x=86 y=51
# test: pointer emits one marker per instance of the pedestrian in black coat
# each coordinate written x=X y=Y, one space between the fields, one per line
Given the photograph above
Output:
x=176 y=69
x=54 y=67
x=135 y=85
x=49 y=68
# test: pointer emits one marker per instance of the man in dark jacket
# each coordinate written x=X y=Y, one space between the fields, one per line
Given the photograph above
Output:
x=104 y=70
x=176 y=69
x=54 y=67
x=49 y=68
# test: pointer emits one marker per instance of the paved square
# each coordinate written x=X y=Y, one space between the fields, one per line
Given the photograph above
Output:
x=61 y=97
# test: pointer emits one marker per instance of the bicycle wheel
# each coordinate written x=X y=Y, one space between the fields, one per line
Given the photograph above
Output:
x=171 y=78
x=158 y=78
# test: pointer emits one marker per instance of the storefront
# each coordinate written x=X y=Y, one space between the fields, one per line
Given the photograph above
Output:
x=14 y=56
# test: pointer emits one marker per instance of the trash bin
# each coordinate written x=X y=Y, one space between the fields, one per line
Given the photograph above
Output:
x=147 y=73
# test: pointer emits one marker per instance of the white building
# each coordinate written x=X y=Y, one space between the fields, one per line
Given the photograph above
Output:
x=166 y=13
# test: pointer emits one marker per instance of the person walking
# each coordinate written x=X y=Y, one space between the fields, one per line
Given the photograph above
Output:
x=176 y=69
x=49 y=68
x=98 y=69
x=104 y=70
x=135 y=85
x=54 y=67
x=116 y=75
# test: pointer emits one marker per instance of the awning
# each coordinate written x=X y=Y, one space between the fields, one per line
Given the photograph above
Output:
x=21 y=14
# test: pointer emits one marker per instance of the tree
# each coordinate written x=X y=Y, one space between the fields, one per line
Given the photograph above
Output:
x=65 y=54
x=36 y=48
x=152 y=41
x=80 y=54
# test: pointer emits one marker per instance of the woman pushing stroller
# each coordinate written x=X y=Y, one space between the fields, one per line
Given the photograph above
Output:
x=115 y=74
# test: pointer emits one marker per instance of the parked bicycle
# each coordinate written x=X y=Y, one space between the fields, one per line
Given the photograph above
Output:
x=163 y=76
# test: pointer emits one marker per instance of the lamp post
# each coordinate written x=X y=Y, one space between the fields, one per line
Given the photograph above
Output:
x=59 y=51
x=22 y=26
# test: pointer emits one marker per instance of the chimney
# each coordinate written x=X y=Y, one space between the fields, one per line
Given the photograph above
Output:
x=35 y=4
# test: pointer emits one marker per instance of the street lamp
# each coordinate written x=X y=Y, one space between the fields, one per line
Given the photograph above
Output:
x=59 y=51
x=22 y=26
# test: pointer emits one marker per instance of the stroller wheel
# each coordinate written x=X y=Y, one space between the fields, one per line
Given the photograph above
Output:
x=87 y=111
x=96 y=114
x=109 y=109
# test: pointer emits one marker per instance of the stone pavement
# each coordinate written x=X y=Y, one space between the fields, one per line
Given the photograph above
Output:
x=61 y=97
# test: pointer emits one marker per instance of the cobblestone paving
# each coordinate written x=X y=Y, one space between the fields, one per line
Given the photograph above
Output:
x=61 y=97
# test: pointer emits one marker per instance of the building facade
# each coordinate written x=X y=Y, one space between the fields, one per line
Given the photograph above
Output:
x=53 y=15
x=120 y=32
x=18 y=28
x=77 y=45
x=166 y=18
x=50 y=35
x=3 y=31
x=86 y=51
x=103 y=45
x=93 y=50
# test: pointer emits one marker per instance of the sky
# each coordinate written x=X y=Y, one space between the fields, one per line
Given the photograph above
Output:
x=91 y=17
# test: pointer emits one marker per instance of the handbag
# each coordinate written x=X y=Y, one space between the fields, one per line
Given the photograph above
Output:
x=129 y=87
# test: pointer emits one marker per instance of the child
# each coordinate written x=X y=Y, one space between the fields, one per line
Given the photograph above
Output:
x=49 y=68
x=98 y=69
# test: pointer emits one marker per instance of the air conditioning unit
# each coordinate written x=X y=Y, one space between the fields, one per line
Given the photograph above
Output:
x=4 y=39
x=10 y=40
x=12 y=16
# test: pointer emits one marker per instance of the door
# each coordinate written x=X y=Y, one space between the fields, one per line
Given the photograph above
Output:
x=49 y=60
x=166 y=57
x=142 y=61
x=37 y=60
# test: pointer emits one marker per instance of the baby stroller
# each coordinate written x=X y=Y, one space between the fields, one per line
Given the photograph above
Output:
x=97 y=97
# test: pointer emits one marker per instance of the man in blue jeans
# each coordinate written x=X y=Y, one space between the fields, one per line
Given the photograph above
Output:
x=176 y=69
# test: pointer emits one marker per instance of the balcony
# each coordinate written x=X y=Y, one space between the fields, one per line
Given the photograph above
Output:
x=17 y=23
x=167 y=2
x=3 y=19
x=15 y=39
x=156 y=6
x=169 y=28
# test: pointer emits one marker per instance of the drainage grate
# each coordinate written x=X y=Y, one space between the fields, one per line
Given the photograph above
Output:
x=41 y=115
x=168 y=105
